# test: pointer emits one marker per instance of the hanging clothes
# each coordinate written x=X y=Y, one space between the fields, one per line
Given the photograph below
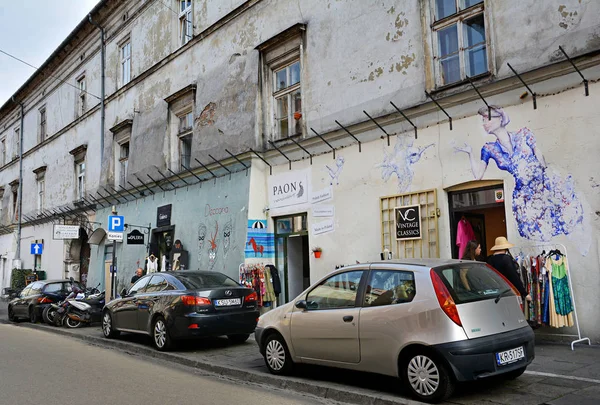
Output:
x=275 y=278
x=556 y=320
x=269 y=295
x=560 y=285
x=151 y=264
x=464 y=234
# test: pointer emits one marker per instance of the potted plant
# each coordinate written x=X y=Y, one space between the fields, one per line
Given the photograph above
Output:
x=317 y=251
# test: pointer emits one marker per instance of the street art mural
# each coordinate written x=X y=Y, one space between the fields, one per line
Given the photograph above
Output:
x=260 y=243
x=335 y=172
x=544 y=204
x=400 y=162
x=201 y=240
x=227 y=230
x=213 y=248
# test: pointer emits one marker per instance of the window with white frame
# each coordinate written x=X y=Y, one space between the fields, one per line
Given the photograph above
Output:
x=42 y=131
x=459 y=38
x=126 y=63
x=185 y=133
x=288 y=100
x=185 y=21
x=3 y=151
x=80 y=173
x=17 y=150
x=81 y=101
x=41 y=192
x=15 y=205
x=123 y=162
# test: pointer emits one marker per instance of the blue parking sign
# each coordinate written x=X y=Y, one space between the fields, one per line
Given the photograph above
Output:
x=116 y=223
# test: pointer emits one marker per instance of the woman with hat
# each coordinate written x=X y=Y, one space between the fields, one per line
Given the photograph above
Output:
x=502 y=261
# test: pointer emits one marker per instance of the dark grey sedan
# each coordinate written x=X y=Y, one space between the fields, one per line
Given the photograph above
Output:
x=181 y=305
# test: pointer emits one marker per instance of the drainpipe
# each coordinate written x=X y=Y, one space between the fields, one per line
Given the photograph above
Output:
x=20 y=202
x=102 y=112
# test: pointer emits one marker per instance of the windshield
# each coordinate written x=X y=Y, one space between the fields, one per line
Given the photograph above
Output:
x=193 y=281
x=472 y=281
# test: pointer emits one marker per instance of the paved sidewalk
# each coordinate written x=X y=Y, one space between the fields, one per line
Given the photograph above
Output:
x=558 y=375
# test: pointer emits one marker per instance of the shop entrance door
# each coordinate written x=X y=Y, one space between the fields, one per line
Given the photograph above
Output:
x=161 y=245
x=292 y=255
x=482 y=211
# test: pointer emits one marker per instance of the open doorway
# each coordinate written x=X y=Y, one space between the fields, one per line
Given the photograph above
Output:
x=292 y=254
x=161 y=244
x=480 y=213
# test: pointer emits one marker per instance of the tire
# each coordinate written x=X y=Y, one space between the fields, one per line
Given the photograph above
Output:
x=107 y=326
x=33 y=316
x=240 y=338
x=48 y=315
x=512 y=375
x=72 y=323
x=160 y=335
x=277 y=356
x=427 y=377
x=11 y=315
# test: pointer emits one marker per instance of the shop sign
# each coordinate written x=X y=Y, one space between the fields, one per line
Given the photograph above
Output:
x=163 y=215
x=288 y=189
x=323 y=211
x=135 y=237
x=408 y=222
x=323 y=227
x=499 y=194
x=115 y=236
x=65 y=232
x=321 y=195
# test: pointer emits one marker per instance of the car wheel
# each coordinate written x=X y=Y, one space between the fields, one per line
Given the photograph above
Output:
x=107 y=326
x=241 y=338
x=33 y=316
x=277 y=356
x=11 y=315
x=160 y=334
x=48 y=315
x=427 y=377
x=511 y=375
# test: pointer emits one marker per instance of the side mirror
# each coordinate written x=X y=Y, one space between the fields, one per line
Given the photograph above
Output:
x=124 y=292
x=301 y=304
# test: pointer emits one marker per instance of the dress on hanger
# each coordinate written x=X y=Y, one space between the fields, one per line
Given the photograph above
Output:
x=464 y=234
x=560 y=285
x=556 y=320
x=151 y=265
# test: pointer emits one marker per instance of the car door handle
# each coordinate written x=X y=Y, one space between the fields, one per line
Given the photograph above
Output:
x=348 y=318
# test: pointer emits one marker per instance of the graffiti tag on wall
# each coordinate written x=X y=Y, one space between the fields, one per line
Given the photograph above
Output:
x=400 y=162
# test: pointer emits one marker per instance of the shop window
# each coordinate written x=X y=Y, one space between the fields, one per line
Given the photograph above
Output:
x=458 y=32
x=282 y=72
x=389 y=288
x=338 y=291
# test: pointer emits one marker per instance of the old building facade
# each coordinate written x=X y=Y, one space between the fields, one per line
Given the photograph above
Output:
x=223 y=115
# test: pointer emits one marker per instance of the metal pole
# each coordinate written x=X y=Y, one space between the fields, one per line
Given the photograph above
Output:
x=102 y=91
x=20 y=193
x=113 y=265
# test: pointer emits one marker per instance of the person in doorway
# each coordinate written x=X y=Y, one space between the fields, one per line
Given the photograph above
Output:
x=472 y=252
x=138 y=274
x=502 y=261
x=178 y=245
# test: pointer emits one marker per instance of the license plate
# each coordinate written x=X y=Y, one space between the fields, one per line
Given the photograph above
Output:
x=510 y=356
x=228 y=302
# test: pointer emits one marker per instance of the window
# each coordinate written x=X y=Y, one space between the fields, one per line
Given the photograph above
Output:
x=338 y=291
x=25 y=291
x=125 y=63
x=81 y=102
x=41 y=191
x=123 y=162
x=389 y=288
x=469 y=282
x=194 y=281
x=3 y=152
x=17 y=143
x=186 y=127
x=42 y=131
x=54 y=288
x=460 y=48
x=185 y=21
x=288 y=100
x=15 y=205
x=80 y=172
x=158 y=283
x=139 y=285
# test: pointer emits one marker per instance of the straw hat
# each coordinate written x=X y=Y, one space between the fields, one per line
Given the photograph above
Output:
x=502 y=243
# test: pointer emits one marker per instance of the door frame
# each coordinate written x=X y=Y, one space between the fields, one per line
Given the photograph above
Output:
x=285 y=237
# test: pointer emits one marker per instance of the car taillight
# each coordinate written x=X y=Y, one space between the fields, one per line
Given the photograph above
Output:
x=517 y=293
x=192 y=300
x=444 y=298
x=252 y=297
x=44 y=300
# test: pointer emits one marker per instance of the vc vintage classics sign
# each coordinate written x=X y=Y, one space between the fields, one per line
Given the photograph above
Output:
x=408 y=222
x=288 y=189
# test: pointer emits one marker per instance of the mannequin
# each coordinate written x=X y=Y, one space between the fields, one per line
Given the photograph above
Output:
x=152 y=264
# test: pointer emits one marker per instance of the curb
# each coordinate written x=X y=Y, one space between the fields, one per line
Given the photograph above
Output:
x=346 y=394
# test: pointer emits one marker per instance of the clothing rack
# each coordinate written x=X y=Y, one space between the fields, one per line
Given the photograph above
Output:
x=551 y=246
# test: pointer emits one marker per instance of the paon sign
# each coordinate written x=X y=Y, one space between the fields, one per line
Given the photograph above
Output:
x=135 y=237
x=163 y=215
x=408 y=222
x=288 y=189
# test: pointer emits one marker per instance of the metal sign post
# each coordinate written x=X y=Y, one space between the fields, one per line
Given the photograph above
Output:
x=113 y=265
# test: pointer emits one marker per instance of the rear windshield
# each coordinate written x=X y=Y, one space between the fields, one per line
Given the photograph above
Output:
x=469 y=282
x=192 y=281
x=61 y=287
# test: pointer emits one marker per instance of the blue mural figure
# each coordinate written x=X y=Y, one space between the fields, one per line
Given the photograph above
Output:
x=400 y=162
x=334 y=173
x=544 y=204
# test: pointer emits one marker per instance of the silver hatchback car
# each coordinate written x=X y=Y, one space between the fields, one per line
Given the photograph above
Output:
x=429 y=322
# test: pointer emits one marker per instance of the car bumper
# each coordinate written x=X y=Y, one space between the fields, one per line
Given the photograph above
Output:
x=258 y=334
x=474 y=359
x=196 y=325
